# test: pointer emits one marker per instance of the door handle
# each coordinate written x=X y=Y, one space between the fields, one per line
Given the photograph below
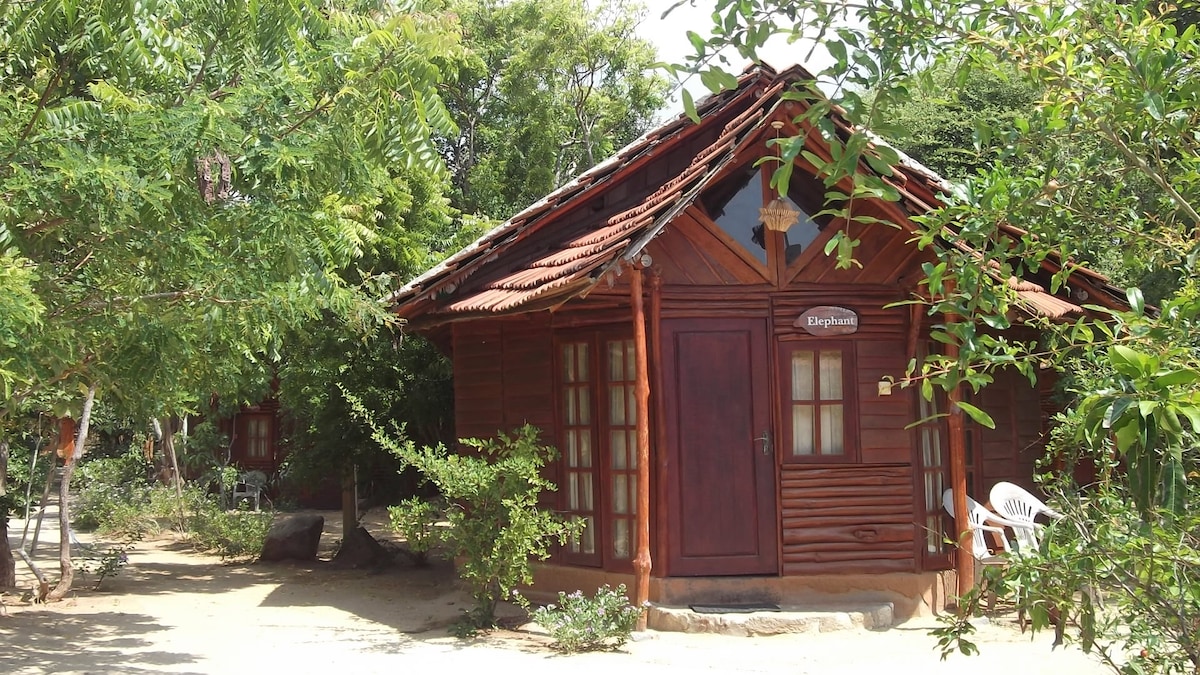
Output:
x=766 y=441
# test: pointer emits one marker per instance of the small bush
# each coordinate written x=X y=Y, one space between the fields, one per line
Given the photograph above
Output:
x=111 y=490
x=230 y=534
x=579 y=623
x=416 y=520
x=106 y=562
x=496 y=526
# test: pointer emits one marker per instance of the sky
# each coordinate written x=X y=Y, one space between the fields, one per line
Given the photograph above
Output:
x=669 y=36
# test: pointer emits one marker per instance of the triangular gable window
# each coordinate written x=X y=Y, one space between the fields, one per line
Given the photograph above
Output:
x=735 y=204
x=802 y=233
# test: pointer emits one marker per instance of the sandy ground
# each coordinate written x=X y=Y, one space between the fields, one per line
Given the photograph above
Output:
x=172 y=610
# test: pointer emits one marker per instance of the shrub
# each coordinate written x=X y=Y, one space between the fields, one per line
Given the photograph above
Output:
x=229 y=534
x=106 y=562
x=579 y=623
x=496 y=526
x=416 y=520
x=107 y=488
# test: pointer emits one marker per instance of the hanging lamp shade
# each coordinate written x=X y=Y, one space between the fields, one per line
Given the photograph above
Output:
x=778 y=215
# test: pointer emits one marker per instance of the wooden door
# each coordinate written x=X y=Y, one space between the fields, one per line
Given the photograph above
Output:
x=720 y=475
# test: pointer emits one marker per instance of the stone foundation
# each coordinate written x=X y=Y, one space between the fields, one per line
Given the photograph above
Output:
x=910 y=595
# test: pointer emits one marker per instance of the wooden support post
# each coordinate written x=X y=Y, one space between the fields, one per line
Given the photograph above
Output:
x=964 y=561
x=659 y=468
x=641 y=561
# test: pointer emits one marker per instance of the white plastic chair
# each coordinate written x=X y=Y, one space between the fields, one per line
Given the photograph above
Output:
x=978 y=516
x=249 y=485
x=1022 y=509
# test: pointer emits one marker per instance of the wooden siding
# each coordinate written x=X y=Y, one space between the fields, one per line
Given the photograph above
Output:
x=847 y=519
x=478 y=379
x=503 y=376
x=883 y=252
x=1011 y=450
x=688 y=253
x=528 y=373
x=882 y=436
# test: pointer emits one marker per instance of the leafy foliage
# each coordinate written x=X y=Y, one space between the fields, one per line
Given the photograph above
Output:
x=109 y=489
x=237 y=534
x=186 y=182
x=495 y=523
x=417 y=521
x=548 y=89
x=579 y=623
x=122 y=265
x=116 y=499
x=106 y=562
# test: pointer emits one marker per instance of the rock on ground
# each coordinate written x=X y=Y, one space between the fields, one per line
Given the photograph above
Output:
x=295 y=537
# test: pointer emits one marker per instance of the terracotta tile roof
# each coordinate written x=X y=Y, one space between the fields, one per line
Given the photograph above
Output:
x=562 y=269
x=450 y=273
x=1034 y=297
x=592 y=254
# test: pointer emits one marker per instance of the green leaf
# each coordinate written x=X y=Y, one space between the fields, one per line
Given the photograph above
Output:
x=976 y=414
x=1191 y=412
x=1177 y=377
x=1113 y=418
x=1153 y=103
x=1136 y=301
x=1126 y=436
x=1128 y=362
x=689 y=106
x=1173 y=485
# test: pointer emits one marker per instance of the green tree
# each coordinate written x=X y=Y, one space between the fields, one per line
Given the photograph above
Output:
x=549 y=89
x=184 y=182
x=541 y=91
x=948 y=122
x=936 y=124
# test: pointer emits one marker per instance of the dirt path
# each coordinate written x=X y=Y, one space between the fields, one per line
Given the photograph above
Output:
x=174 y=611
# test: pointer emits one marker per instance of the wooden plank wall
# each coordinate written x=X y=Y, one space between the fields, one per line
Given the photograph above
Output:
x=847 y=519
x=856 y=518
x=503 y=375
x=882 y=434
x=1010 y=451
x=478 y=379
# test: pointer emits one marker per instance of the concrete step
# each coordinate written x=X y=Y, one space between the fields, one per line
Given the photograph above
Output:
x=789 y=619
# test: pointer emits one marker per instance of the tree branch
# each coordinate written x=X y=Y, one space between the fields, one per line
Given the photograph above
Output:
x=41 y=105
x=208 y=52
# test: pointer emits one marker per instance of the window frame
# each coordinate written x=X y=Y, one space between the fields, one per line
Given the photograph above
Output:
x=594 y=558
x=849 y=400
x=598 y=340
x=934 y=421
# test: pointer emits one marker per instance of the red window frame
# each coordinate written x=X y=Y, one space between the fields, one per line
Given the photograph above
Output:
x=611 y=430
x=847 y=401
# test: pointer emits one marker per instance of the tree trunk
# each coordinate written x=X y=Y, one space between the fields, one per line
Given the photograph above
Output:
x=168 y=444
x=64 y=511
x=349 y=501
x=8 y=565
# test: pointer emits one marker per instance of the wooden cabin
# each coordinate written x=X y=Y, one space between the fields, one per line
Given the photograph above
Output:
x=720 y=392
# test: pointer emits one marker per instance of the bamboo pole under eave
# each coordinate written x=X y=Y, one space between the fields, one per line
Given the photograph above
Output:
x=641 y=561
